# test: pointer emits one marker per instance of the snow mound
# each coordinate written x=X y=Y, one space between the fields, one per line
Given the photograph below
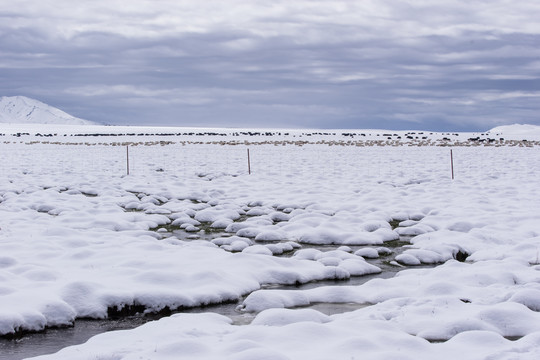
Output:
x=23 y=110
x=280 y=317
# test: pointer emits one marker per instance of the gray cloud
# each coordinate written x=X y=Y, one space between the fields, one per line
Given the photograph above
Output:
x=330 y=64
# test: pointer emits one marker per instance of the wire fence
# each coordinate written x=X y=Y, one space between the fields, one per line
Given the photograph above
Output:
x=323 y=161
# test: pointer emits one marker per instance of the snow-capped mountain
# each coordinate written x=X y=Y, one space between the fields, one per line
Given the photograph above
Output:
x=23 y=110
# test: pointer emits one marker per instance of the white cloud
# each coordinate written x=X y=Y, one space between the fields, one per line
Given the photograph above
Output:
x=496 y=96
x=170 y=96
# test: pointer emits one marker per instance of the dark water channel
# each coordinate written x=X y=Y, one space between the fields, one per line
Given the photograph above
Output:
x=52 y=340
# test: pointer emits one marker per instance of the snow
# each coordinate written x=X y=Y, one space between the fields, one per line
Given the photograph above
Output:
x=293 y=335
x=516 y=131
x=23 y=110
x=190 y=227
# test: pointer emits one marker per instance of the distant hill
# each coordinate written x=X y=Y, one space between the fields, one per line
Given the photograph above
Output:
x=517 y=130
x=23 y=110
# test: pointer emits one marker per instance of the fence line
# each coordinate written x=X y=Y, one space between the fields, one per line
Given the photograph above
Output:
x=268 y=160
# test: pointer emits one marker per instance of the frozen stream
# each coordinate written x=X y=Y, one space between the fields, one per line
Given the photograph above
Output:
x=52 y=340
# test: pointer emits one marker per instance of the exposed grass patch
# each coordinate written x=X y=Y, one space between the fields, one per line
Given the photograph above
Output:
x=461 y=256
x=394 y=223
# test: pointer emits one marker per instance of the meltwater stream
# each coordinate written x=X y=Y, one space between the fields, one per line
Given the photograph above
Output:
x=52 y=340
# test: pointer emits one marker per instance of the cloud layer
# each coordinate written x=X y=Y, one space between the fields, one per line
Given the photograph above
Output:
x=453 y=65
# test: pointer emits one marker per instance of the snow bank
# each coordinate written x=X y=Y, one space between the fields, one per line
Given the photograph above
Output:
x=284 y=335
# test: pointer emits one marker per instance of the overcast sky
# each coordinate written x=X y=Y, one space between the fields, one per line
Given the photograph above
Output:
x=420 y=64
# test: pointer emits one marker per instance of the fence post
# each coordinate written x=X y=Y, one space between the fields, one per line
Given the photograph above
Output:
x=249 y=163
x=127 y=159
x=452 y=163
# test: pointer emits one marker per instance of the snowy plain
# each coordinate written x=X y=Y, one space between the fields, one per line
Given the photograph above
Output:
x=80 y=238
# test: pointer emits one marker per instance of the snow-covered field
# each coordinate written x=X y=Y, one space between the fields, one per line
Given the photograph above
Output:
x=80 y=238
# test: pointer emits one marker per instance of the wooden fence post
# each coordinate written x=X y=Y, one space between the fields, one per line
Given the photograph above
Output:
x=249 y=163
x=452 y=163
x=127 y=159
